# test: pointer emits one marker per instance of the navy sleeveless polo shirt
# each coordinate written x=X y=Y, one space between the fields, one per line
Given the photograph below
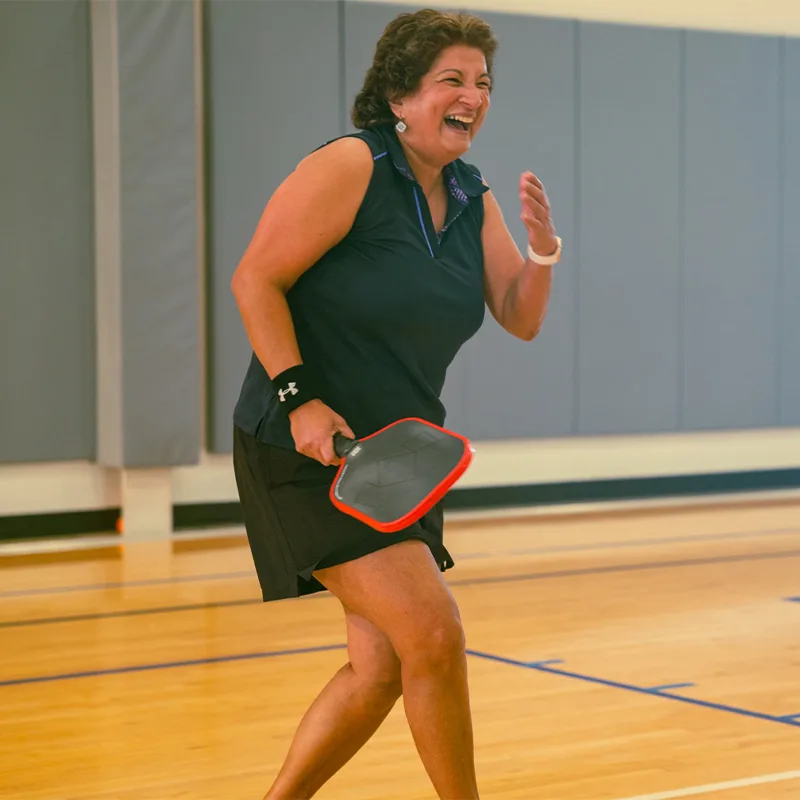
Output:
x=380 y=317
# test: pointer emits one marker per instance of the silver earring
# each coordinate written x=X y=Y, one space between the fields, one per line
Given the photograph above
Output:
x=401 y=126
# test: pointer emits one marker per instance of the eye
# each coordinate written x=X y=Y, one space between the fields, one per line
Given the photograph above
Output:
x=454 y=81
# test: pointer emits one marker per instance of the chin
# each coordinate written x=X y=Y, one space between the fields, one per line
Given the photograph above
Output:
x=457 y=146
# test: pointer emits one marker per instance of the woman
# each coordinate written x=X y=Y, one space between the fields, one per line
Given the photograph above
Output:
x=371 y=265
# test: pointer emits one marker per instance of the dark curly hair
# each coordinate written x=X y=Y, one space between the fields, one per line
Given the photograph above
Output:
x=406 y=51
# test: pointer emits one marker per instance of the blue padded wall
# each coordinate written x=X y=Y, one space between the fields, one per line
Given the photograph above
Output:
x=731 y=221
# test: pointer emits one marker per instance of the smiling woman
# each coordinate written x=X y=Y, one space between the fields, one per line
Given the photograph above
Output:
x=373 y=263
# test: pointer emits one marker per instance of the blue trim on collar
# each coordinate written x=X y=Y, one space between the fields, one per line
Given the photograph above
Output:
x=462 y=180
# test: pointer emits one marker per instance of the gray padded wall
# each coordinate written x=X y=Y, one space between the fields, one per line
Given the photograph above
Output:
x=273 y=94
x=630 y=279
x=161 y=354
x=790 y=284
x=731 y=221
x=47 y=330
x=362 y=25
x=515 y=388
x=660 y=150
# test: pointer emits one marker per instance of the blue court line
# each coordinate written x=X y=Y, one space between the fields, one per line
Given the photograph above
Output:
x=95 y=587
x=101 y=587
x=616 y=545
x=791 y=717
x=659 y=689
x=133 y=612
x=170 y=665
x=533 y=576
x=540 y=667
x=793 y=599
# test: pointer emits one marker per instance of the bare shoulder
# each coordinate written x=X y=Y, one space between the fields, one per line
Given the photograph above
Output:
x=311 y=211
x=346 y=156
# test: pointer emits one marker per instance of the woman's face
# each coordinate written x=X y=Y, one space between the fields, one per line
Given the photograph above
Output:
x=447 y=109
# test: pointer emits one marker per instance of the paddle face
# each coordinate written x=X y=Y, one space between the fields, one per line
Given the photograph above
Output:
x=391 y=478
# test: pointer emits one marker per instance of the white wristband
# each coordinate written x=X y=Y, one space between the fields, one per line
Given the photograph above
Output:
x=546 y=260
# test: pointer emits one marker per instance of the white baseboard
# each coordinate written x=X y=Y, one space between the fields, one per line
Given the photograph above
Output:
x=76 y=486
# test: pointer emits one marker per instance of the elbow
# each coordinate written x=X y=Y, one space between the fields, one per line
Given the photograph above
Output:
x=528 y=331
x=251 y=278
x=525 y=331
x=239 y=281
x=236 y=283
x=244 y=281
x=528 y=335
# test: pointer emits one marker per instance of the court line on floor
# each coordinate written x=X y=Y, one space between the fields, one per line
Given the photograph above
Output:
x=101 y=587
x=617 y=544
x=97 y=673
x=635 y=567
x=544 y=550
x=693 y=791
x=542 y=666
x=129 y=612
x=539 y=666
x=533 y=576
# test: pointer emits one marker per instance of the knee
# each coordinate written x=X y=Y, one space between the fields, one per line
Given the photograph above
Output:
x=389 y=685
x=382 y=672
x=437 y=644
x=385 y=684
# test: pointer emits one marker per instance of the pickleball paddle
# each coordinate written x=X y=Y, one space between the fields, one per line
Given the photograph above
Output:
x=392 y=477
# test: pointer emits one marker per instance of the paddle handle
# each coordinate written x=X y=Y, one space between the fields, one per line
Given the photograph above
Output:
x=342 y=444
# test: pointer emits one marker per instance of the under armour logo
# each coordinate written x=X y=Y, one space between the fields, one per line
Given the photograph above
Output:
x=291 y=390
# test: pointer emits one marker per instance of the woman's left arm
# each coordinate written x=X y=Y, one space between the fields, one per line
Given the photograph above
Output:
x=517 y=289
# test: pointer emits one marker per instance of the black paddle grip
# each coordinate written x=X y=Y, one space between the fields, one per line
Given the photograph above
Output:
x=342 y=444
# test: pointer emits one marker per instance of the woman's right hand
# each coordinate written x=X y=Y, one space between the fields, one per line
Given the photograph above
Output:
x=313 y=425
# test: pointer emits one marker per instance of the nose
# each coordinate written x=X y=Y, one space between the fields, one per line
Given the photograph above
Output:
x=473 y=97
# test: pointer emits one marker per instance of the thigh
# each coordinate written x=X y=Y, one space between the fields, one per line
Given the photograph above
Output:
x=400 y=590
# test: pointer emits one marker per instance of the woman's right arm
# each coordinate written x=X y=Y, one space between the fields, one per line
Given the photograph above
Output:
x=310 y=212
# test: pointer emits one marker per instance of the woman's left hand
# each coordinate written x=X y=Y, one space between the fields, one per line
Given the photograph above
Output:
x=536 y=215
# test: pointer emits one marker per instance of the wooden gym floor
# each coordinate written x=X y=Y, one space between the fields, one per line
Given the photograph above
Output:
x=647 y=654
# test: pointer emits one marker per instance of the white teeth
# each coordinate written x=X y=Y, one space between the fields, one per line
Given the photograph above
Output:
x=465 y=120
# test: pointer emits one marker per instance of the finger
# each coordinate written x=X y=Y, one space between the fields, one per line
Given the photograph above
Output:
x=533 y=221
x=532 y=194
x=308 y=448
x=308 y=451
x=535 y=209
x=538 y=229
x=530 y=190
x=536 y=216
x=344 y=428
x=529 y=179
x=327 y=455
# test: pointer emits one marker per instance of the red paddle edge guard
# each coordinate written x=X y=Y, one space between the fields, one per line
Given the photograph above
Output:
x=432 y=499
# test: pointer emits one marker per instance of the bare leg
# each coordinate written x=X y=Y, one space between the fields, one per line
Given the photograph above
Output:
x=344 y=715
x=402 y=592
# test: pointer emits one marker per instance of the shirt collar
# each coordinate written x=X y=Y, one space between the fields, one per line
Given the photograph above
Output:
x=462 y=180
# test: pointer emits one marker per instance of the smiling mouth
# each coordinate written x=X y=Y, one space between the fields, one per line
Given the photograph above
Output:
x=458 y=123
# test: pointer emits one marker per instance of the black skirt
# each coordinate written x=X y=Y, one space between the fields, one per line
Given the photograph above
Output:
x=292 y=526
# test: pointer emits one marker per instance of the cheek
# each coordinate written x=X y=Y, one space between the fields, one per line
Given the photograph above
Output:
x=439 y=103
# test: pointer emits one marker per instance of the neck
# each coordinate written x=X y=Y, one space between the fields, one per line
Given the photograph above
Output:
x=428 y=175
